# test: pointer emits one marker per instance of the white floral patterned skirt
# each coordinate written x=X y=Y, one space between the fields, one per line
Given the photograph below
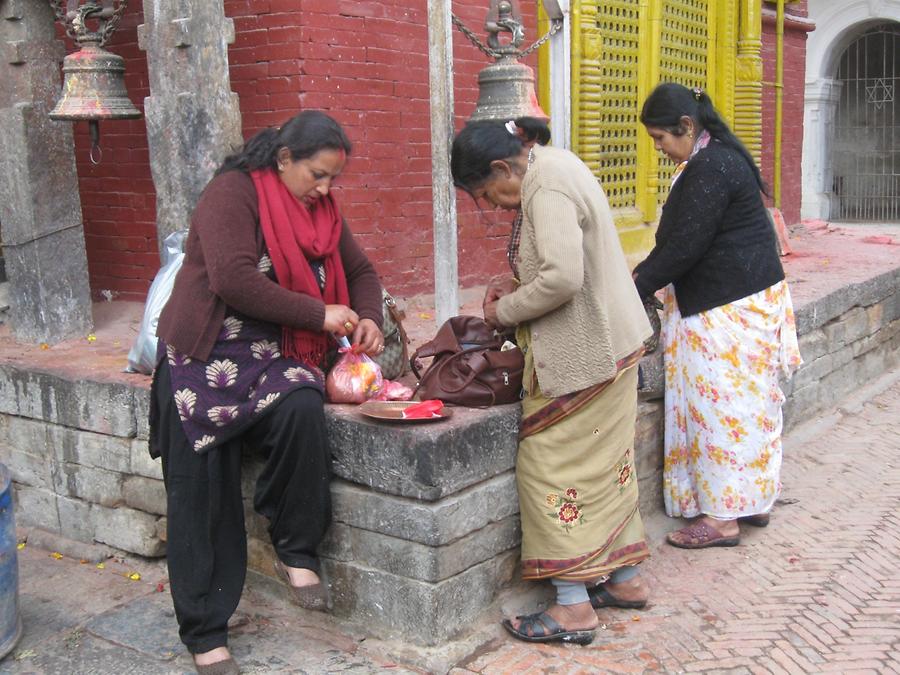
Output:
x=244 y=378
x=723 y=403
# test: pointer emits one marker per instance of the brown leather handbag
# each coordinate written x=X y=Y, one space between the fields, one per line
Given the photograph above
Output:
x=469 y=367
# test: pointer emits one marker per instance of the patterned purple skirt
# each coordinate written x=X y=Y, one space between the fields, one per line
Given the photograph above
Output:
x=245 y=377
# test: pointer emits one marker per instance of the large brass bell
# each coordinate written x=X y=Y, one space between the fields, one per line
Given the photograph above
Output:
x=93 y=78
x=506 y=88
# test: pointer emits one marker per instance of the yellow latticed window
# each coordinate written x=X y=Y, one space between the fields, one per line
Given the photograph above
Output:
x=607 y=114
x=684 y=51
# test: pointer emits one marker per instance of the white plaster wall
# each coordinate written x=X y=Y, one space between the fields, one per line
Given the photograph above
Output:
x=838 y=23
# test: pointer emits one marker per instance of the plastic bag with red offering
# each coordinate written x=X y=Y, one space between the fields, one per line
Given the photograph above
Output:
x=394 y=391
x=355 y=378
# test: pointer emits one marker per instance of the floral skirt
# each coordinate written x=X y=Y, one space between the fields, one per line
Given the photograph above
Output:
x=723 y=403
x=578 y=492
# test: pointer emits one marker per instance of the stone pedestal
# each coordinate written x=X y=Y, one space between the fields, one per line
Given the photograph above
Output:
x=426 y=525
x=40 y=209
x=193 y=118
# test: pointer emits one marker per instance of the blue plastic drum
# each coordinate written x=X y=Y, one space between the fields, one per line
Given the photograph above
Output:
x=10 y=621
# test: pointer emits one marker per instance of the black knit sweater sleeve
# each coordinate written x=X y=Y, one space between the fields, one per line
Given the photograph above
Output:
x=689 y=224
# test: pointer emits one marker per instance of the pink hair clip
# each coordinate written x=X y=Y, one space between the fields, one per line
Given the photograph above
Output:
x=512 y=128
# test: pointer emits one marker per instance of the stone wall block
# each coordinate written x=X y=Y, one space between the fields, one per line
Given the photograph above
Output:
x=76 y=520
x=36 y=506
x=820 y=311
x=427 y=614
x=847 y=328
x=89 y=449
x=97 y=486
x=813 y=345
x=141 y=463
x=884 y=334
x=891 y=307
x=129 y=530
x=142 y=412
x=875 y=317
x=23 y=448
x=432 y=524
x=145 y=494
x=106 y=408
x=417 y=561
x=437 y=461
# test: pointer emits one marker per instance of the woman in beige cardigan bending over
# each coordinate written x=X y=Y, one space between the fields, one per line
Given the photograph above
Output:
x=581 y=326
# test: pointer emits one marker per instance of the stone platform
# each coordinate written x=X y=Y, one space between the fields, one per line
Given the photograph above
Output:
x=426 y=519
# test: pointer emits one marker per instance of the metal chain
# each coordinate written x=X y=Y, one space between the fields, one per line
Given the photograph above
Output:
x=59 y=8
x=107 y=27
x=555 y=27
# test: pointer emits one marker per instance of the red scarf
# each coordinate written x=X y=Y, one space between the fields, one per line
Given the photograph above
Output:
x=296 y=235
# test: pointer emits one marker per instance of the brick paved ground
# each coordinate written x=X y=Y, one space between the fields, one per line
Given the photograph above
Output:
x=816 y=591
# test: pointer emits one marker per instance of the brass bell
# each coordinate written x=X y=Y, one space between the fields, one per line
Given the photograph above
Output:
x=93 y=78
x=506 y=88
x=94 y=87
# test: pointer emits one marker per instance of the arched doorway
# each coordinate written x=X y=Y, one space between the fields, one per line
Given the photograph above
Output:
x=865 y=153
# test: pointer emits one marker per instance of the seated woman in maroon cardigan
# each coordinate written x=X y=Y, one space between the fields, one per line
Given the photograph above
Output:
x=270 y=271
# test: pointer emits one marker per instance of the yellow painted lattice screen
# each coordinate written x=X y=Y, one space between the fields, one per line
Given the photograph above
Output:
x=683 y=52
x=605 y=127
x=620 y=50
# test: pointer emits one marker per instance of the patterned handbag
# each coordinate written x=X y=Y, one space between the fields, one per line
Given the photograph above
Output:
x=394 y=360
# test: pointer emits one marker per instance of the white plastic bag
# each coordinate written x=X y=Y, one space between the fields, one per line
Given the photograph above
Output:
x=142 y=357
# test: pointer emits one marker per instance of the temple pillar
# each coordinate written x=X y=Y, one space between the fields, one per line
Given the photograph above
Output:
x=748 y=84
x=193 y=117
x=40 y=207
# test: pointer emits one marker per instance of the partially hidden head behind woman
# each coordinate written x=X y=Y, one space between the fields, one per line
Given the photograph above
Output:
x=489 y=159
x=675 y=116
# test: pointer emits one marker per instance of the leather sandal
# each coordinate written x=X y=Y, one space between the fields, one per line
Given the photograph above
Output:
x=757 y=520
x=701 y=535
x=601 y=597
x=313 y=597
x=541 y=627
x=226 y=667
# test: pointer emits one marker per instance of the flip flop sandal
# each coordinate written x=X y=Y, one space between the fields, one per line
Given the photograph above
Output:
x=701 y=535
x=541 y=627
x=758 y=520
x=226 y=667
x=313 y=597
x=600 y=597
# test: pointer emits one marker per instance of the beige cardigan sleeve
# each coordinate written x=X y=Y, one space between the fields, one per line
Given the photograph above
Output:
x=558 y=240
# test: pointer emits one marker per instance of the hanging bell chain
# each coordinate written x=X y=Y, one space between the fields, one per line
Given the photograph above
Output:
x=73 y=17
x=555 y=26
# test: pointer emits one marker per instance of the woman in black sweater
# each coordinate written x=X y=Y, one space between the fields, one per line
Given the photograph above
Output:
x=728 y=325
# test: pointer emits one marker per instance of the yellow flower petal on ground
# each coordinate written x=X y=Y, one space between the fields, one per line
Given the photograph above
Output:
x=134 y=576
x=56 y=556
x=20 y=545
x=101 y=566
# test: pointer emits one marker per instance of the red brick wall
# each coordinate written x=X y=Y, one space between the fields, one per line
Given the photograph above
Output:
x=792 y=111
x=363 y=61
